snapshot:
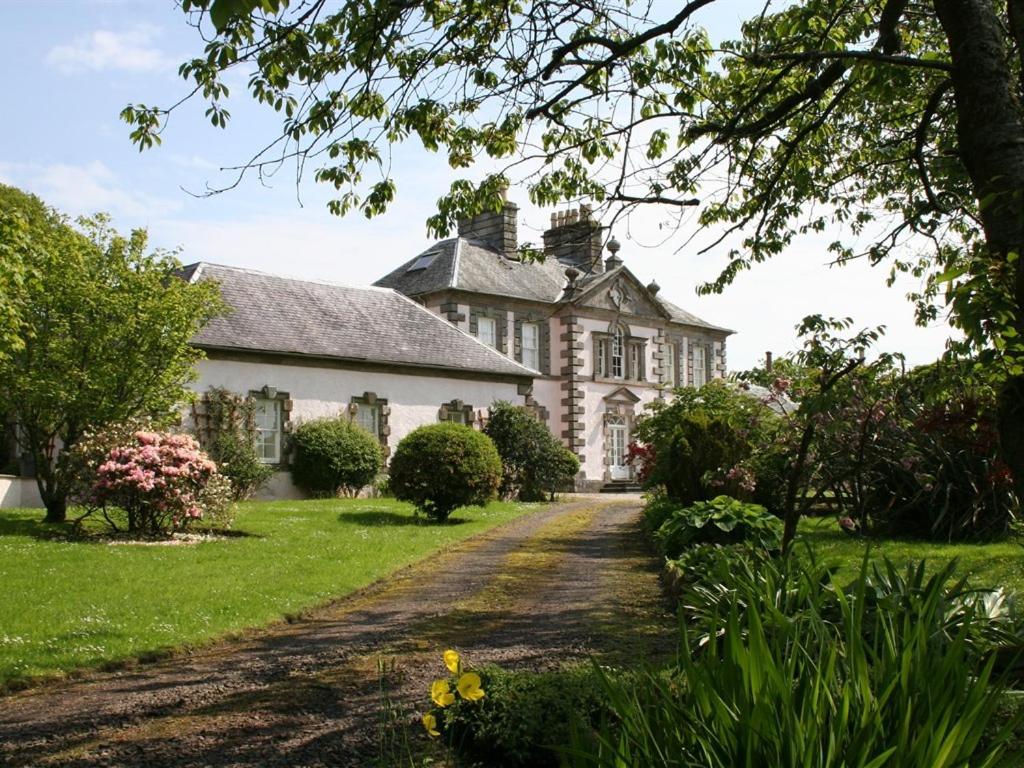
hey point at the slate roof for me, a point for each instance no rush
(471, 266)
(324, 320)
(467, 265)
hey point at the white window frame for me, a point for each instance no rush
(700, 366)
(670, 364)
(261, 431)
(492, 325)
(635, 362)
(531, 352)
(618, 352)
(364, 408)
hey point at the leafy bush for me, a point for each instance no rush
(722, 520)
(440, 467)
(160, 481)
(334, 456)
(657, 509)
(786, 668)
(534, 463)
(526, 716)
(699, 440)
(237, 460)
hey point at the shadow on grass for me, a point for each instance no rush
(383, 517)
(33, 527)
(97, 533)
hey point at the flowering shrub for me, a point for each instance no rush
(696, 445)
(442, 692)
(161, 481)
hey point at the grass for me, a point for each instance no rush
(997, 564)
(72, 604)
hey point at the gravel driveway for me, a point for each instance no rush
(572, 580)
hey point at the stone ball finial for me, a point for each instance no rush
(653, 288)
(571, 274)
(613, 245)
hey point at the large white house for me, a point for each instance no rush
(576, 337)
(602, 344)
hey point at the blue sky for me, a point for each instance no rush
(70, 67)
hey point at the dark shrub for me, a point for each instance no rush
(525, 716)
(534, 463)
(237, 460)
(941, 476)
(441, 467)
(722, 520)
(334, 456)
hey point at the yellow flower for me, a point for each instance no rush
(451, 660)
(430, 724)
(469, 687)
(441, 694)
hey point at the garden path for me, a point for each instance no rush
(570, 581)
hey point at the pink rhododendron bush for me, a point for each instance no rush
(149, 482)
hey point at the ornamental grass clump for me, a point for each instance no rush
(157, 482)
(780, 665)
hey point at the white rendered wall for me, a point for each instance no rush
(18, 492)
(413, 400)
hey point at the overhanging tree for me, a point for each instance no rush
(898, 121)
(101, 335)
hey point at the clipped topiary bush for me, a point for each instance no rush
(440, 467)
(333, 456)
(723, 520)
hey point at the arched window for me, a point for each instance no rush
(618, 352)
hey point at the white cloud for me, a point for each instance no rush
(130, 50)
(86, 189)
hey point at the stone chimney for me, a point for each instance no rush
(495, 230)
(575, 240)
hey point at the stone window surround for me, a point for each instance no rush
(457, 406)
(603, 338)
(500, 317)
(543, 338)
(272, 393)
(371, 398)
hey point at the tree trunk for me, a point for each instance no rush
(990, 135)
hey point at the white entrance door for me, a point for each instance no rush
(619, 441)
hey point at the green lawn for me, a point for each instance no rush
(1000, 564)
(71, 604)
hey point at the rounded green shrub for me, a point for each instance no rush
(334, 456)
(441, 467)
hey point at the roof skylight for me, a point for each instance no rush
(422, 262)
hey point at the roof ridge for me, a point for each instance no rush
(293, 278)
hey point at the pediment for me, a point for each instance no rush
(622, 395)
(622, 293)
